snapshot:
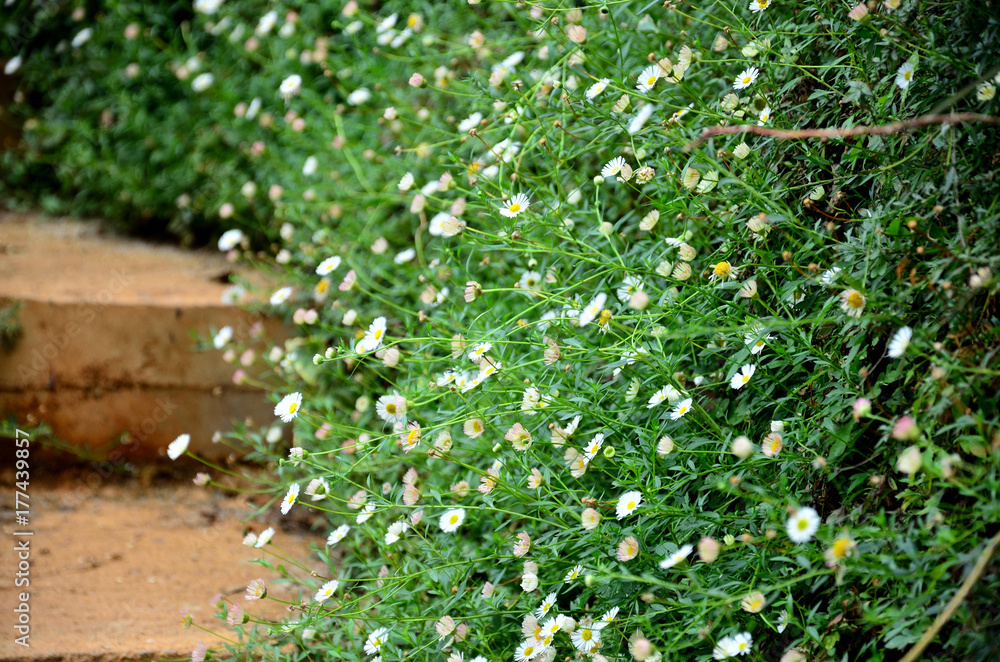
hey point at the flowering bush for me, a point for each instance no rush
(568, 383)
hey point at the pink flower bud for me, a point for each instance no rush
(708, 549)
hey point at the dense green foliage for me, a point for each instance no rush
(620, 311)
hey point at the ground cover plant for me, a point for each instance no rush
(570, 381)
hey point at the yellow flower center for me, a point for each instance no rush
(529, 651)
(841, 547)
(413, 436)
(802, 524)
(747, 80)
(631, 505)
(514, 208)
(907, 75)
(378, 334)
(293, 408)
(585, 635)
(722, 269)
(322, 286)
(855, 300)
(682, 410)
(651, 81)
(454, 519)
(390, 408)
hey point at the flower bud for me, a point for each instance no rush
(742, 447)
(708, 549)
(909, 461)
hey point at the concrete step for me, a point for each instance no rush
(108, 339)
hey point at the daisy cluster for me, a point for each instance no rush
(559, 383)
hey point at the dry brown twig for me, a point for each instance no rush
(949, 610)
(826, 134)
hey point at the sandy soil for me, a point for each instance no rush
(115, 565)
(71, 260)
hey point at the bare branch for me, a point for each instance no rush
(825, 134)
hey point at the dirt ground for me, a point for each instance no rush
(72, 260)
(116, 563)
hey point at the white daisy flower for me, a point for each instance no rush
(598, 87)
(405, 182)
(338, 534)
(376, 640)
(528, 650)
(829, 276)
(573, 573)
(391, 408)
(290, 87)
(395, 532)
(289, 406)
(470, 122)
(586, 639)
(373, 338)
(803, 525)
(741, 378)
(648, 78)
(326, 591)
(613, 167)
(359, 96)
(547, 604)
(627, 503)
(515, 206)
(366, 513)
(290, 497)
(230, 239)
(452, 519)
(178, 446)
(630, 285)
(281, 296)
(900, 341)
(530, 280)
(904, 76)
(202, 82)
(642, 115)
(14, 64)
(681, 408)
(676, 557)
(264, 537)
(82, 37)
(479, 350)
(660, 396)
(782, 621)
(592, 309)
(591, 449)
(224, 335)
(742, 643)
(746, 78)
(328, 265)
(756, 341)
